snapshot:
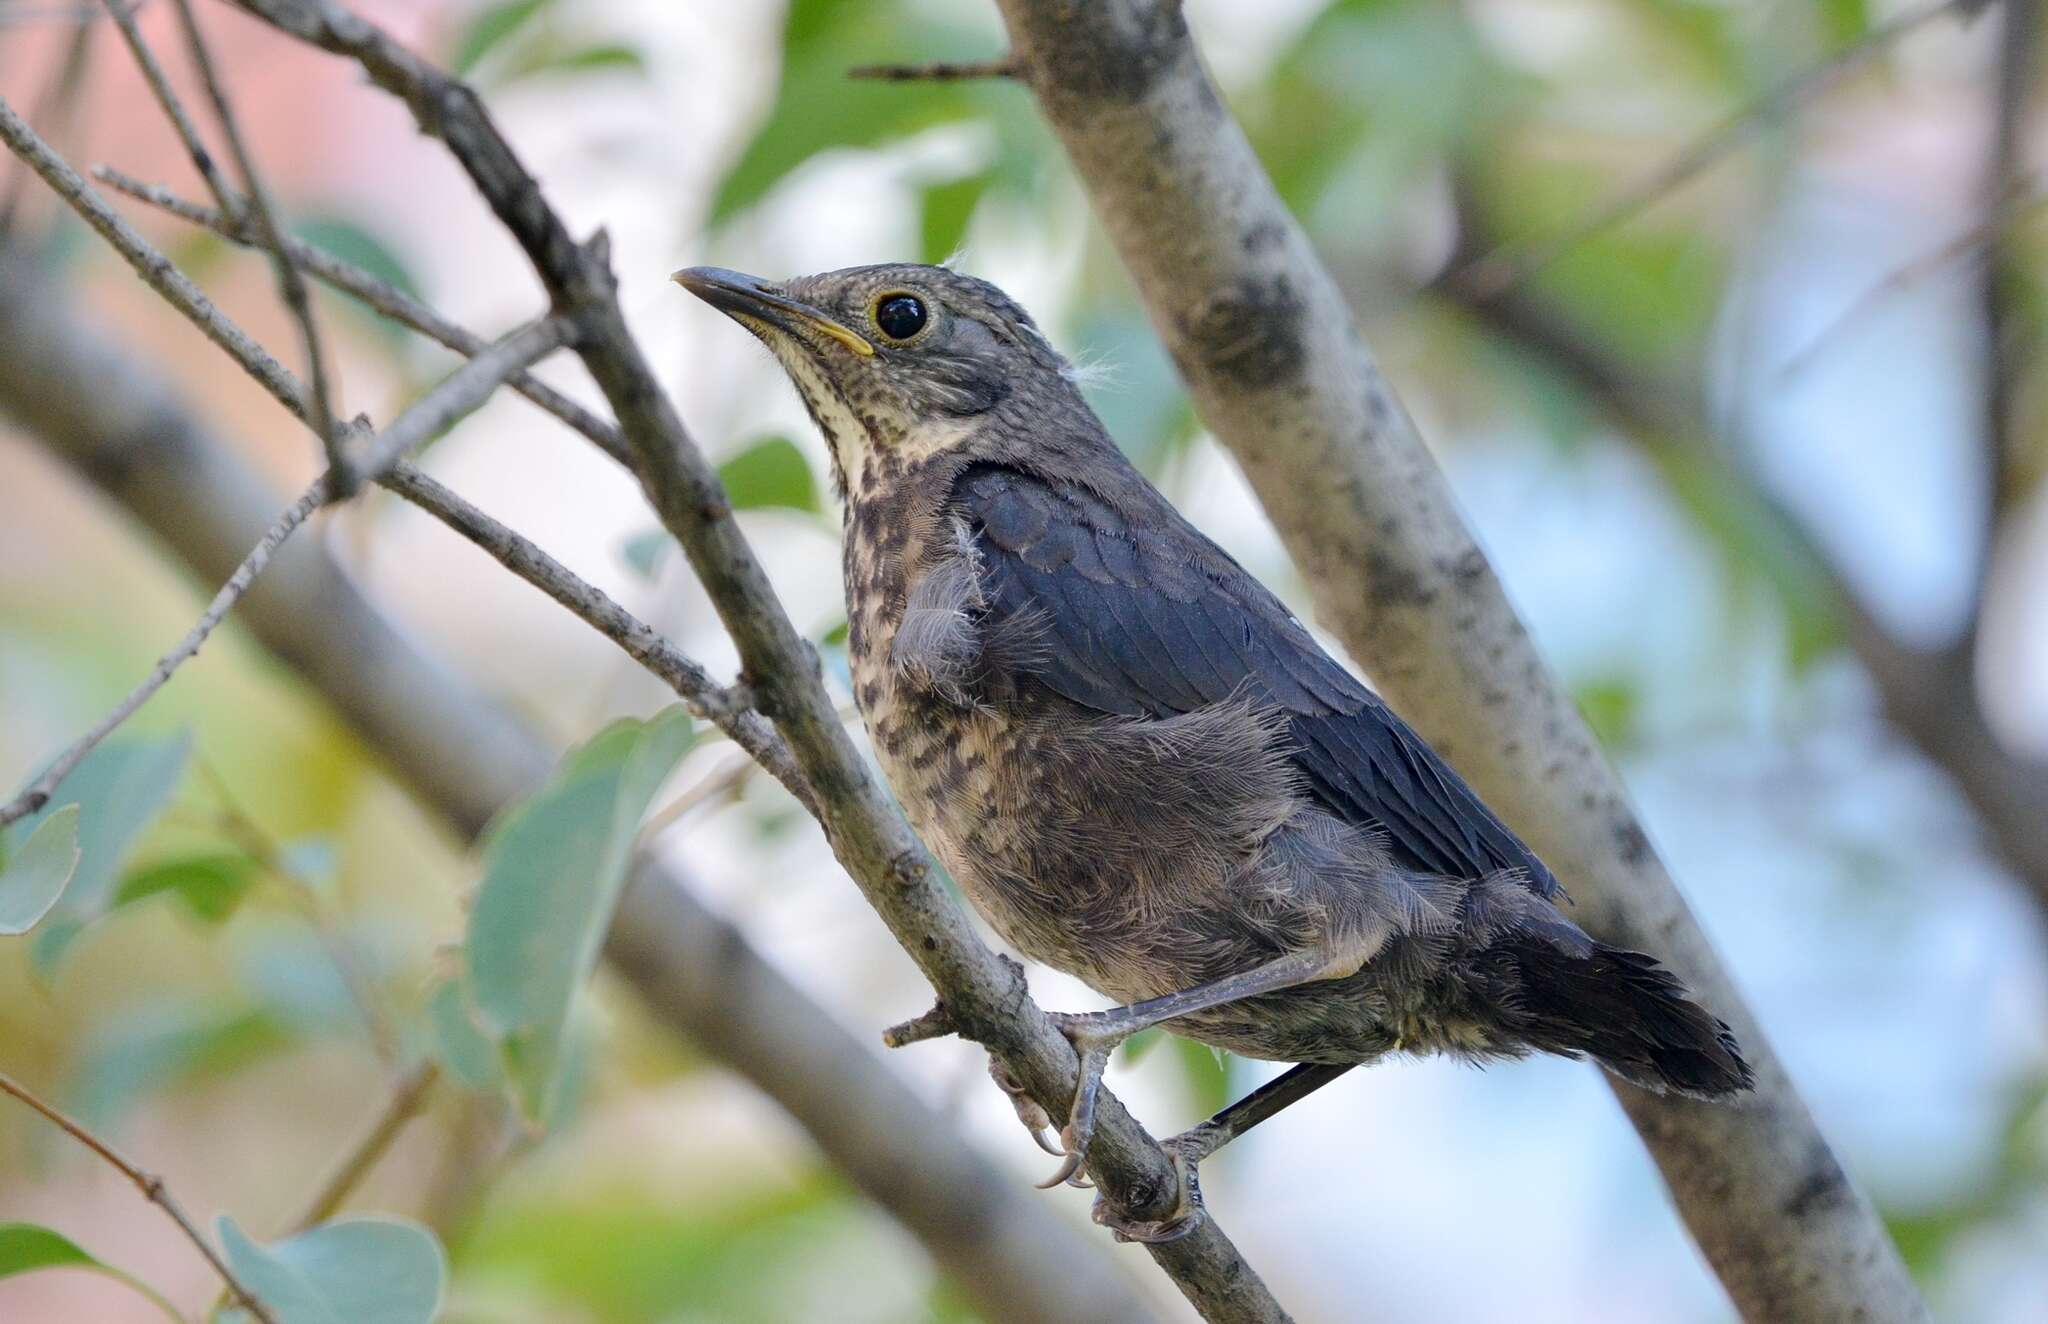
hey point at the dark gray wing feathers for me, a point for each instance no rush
(1139, 615)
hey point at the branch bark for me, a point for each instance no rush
(986, 996)
(1277, 367)
(97, 406)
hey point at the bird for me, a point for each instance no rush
(1138, 764)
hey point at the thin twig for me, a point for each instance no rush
(940, 72)
(729, 710)
(407, 1099)
(721, 781)
(152, 1188)
(291, 285)
(188, 133)
(1493, 273)
(39, 791)
(378, 295)
(156, 270)
(54, 109)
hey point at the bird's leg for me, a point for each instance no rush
(1190, 1147)
(1094, 1034)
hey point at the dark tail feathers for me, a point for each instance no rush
(1631, 1015)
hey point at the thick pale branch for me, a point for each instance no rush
(865, 830)
(152, 1188)
(99, 407)
(1279, 370)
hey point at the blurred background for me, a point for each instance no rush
(1759, 460)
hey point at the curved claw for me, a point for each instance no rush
(1068, 1168)
(1048, 1146)
(1187, 1213)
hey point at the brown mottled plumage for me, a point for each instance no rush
(1140, 767)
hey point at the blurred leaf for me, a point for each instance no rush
(837, 635)
(27, 1247)
(354, 242)
(1207, 1072)
(491, 26)
(946, 209)
(157, 1045)
(819, 107)
(1609, 707)
(645, 550)
(1141, 1043)
(33, 877)
(770, 472)
(553, 869)
(120, 789)
(211, 885)
(1845, 21)
(459, 1045)
(353, 1271)
(544, 58)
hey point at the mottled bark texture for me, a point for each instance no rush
(97, 406)
(1279, 371)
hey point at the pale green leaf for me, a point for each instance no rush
(27, 1247)
(492, 25)
(553, 869)
(466, 1051)
(644, 551)
(35, 876)
(353, 1271)
(770, 472)
(211, 885)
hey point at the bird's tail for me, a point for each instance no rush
(1631, 1015)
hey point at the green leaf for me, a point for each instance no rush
(352, 1271)
(548, 58)
(27, 1247)
(948, 207)
(1207, 1072)
(644, 552)
(33, 879)
(819, 107)
(355, 243)
(469, 1054)
(490, 27)
(211, 885)
(120, 789)
(553, 869)
(158, 1044)
(769, 473)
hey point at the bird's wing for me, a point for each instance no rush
(1143, 616)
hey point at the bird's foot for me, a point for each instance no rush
(1034, 1118)
(1186, 1151)
(1094, 1035)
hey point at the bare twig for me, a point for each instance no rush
(861, 822)
(152, 1188)
(261, 217)
(53, 109)
(1492, 273)
(39, 791)
(939, 72)
(934, 1024)
(408, 1097)
(729, 710)
(155, 269)
(380, 296)
(188, 133)
(722, 781)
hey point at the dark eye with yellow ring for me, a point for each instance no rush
(900, 316)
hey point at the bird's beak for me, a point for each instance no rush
(739, 295)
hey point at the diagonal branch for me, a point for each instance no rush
(123, 12)
(261, 217)
(97, 406)
(152, 1188)
(866, 832)
(1278, 368)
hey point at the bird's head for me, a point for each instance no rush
(896, 362)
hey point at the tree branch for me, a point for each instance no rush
(123, 12)
(152, 1188)
(98, 406)
(1279, 371)
(261, 218)
(861, 822)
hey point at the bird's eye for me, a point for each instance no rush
(900, 316)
